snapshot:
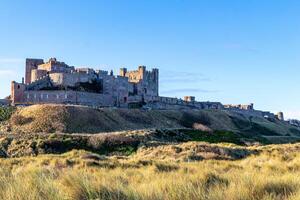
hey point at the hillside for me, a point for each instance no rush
(79, 119)
(74, 152)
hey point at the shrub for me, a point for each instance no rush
(6, 112)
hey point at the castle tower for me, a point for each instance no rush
(155, 73)
(17, 92)
(123, 71)
(142, 71)
(30, 65)
(280, 116)
(189, 98)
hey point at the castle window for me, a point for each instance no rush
(18, 86)
(145, 90)
(57, 96)
(125, 99)
(41, 96)
(47, 96)
(66, 96)
(27, 96)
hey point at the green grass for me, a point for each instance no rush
(124, 150)
(61, 143)
(214, 137)
(258, 129)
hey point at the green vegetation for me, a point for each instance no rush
(5, 113)
(214, 137)
(35, 144)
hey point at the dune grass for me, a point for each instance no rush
(273, 174)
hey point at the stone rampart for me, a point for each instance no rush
(67, 97)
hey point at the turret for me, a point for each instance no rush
(123, 71)
(142, 71)
(280, 116)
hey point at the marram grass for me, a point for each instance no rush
(273, 174)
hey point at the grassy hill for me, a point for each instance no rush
(79, 119)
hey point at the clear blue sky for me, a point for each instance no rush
(228, 51)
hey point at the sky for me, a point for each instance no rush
(231, 51)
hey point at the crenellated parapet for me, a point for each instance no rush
(240, 106)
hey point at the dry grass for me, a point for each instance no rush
(165, 166)
(194, 151)
(40, 118)
(273, 174)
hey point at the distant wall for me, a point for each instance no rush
(4, 102)
(240, 106)
(175, 103)
(257, 113)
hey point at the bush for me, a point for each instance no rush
(189, 119)
(6, 112)
(214, 137)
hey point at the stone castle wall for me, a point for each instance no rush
(70, 79)
(36, 74)
(175, 103)
(252, 112)
(67, 97)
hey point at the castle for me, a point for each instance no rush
(57, 82)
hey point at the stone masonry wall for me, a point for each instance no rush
(70, 79)
(36, 74)
(67, 97)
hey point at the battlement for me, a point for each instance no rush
(240, 106)
(189, 98)
(85, 70)
(138, 75)
(55, 66)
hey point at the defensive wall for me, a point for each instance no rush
(67, 97)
